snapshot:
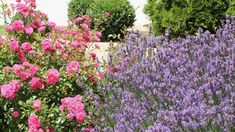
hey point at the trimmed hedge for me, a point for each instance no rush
(122, 15)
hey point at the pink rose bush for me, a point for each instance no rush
(46, 72)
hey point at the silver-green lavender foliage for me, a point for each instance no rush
(173, 85)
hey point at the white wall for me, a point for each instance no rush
(57, 10)
(141, 18)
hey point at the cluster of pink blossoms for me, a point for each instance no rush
(23, 9)
(52, 77)
(14, 45)
(25, 70)
(27, 47)
(9, 90)
(75, 108)
(18, 26)
(73, 67)
(47, 47)
(36, 83)
(34, 124)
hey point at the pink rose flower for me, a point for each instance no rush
(28, 30)
(14, 45)
(80, 117)
(52, 77)
(22, 9)
(15, 114)
(98, 33)
(51, 24)
(36, 83)
(9, 28)
(32, 51)
(41, 29)
(37, 105)
(74, 44)
(32, 69)
(16, 83)
(17, 69)
(36, 130)
(77, 20)
(84, 26)
(34, 122)
(18, 25)
(78, 98)
(46, 44)
(87, 35)
(9, 90)
(73, 67)
(27, 46)
(97, 39)
(24, 76)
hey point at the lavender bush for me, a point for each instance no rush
(183, 84)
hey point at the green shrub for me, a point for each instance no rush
(122, 15)
(78, 8)
(231, 9)
(185, 16)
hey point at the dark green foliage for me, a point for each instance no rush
(122, 15)
(185, 16)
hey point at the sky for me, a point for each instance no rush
(57, 10)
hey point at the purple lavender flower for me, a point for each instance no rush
(173, 85)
